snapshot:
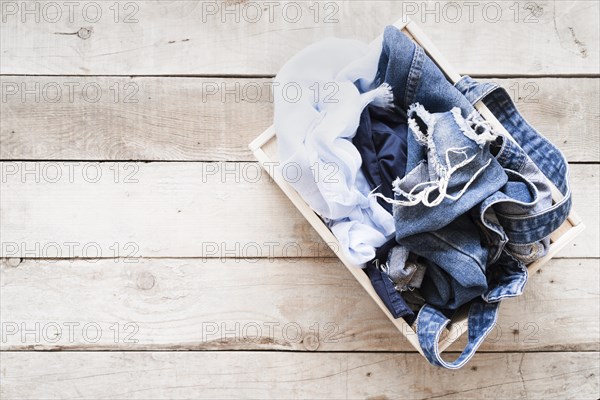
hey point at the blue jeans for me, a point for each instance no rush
(477, 205)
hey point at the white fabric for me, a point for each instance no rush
(319, 96)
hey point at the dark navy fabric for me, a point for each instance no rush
(384, 286)
(381, 141)
(456, 269)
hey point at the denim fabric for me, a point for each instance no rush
(387, 293)
(506, 277)
(433, 201)
(431, 323)
(525, 215)
(384, 286)
(457, 171)
(414, 78)
(404, 269)
(456, 270)
(477, 231)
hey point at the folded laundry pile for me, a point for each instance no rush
(440, 209)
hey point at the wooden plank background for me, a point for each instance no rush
(276, 375)
(309, 305)
(134, 225)
(192, 38)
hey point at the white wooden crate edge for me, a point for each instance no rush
(560, 238)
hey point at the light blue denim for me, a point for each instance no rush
(477, 224)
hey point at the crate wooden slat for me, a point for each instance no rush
(264, 148)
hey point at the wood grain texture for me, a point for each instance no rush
(91, 210)
(162, 258)
(133, 118)
(276, 375)
(214, 119)
(192, 37)
(301, 305)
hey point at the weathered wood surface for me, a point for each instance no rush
(277, 375)
(302, 305)
(181, 210)
(134, 118)
(308, 329)
(214, 119)
(192, 37)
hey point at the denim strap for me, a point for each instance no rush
(542, 152)
(475, 91)
(431, 323)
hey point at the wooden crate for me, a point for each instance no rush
(264, 148)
